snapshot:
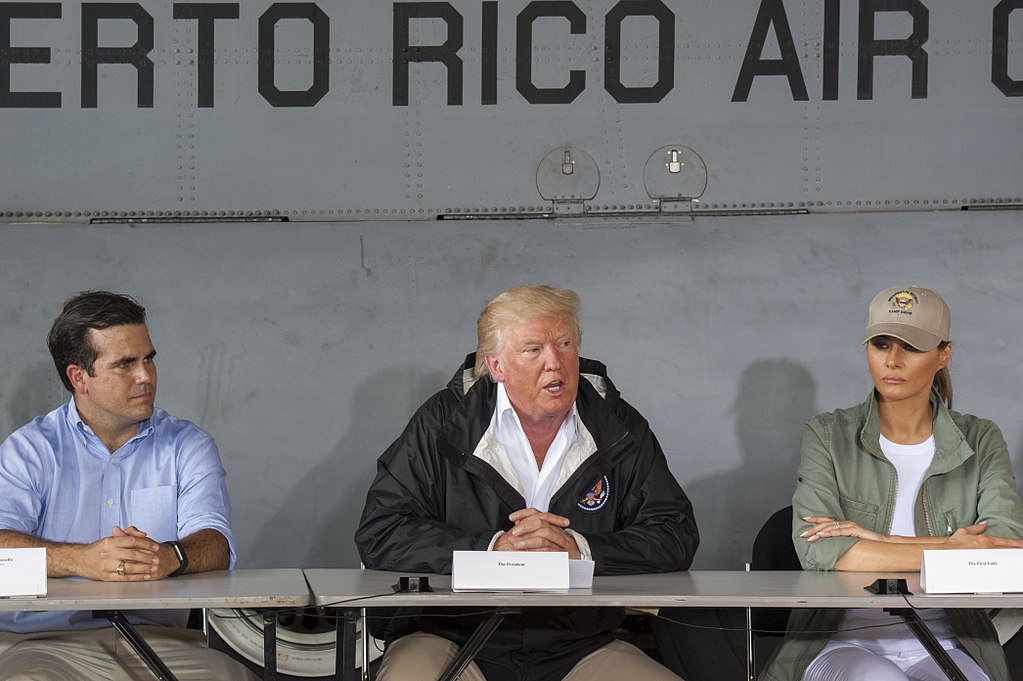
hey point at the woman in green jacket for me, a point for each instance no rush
(880, 483)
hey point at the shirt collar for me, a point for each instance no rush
(504, 406)
(145, 428)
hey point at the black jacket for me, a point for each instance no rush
(432, 496)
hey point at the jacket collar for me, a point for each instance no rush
(950, 447)
(478, 399)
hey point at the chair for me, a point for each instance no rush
(702, 644)
(1014, 654)
(772, 550)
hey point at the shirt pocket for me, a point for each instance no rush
(862, 512)
(154, 510)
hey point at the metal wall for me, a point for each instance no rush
(305, 347)
(370, 110)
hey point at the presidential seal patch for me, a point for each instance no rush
(596, 496)
(903, 301)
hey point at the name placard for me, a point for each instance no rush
(509, 571)
(972, 571)
(22, 573)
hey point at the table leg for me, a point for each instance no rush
(344, 664)
(139, 645)
(926, 638)
(472, 646)
(751, 660)
(364, 645)
(270, 645)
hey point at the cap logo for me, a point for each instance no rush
(597, 496)
(902, 302)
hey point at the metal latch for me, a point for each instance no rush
(568, 165)
(675, 162)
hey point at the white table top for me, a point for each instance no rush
(285, 588)
(693, 589)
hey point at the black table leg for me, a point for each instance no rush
(344, 664)
(926, 638)
(473, 645)
(345, 669)
(139, 645)
(270, 645)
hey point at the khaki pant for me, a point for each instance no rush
(102, 655)
(424, 657)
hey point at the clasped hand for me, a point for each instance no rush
(127, 555)
(537, 530)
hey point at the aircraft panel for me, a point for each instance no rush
(369, 110)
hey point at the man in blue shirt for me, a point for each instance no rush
(116, 490)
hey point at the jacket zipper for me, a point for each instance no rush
(923, 500)
(891, 502)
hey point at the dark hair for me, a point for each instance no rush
(68, 339)
(942, 383)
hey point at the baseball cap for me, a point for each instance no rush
(913, 314)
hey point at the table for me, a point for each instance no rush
(349, 590)
(261, 589)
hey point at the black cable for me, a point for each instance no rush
(743, 630)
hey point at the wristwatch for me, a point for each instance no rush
(179, 551)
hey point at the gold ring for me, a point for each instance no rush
(120, 568)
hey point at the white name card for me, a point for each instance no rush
(580, 574)
(972, 571)
(509, 571)
(22, 573)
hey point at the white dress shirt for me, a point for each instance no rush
(506, 447)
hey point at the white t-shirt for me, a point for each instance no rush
(874, 629)
(911, 462)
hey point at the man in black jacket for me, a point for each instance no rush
(530, 448)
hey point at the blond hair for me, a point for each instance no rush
(517, 305)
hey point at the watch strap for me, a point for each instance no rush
(179, 551)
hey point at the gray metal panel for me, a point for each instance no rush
(356, 155)
(304, 348)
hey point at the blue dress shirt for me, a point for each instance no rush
(59, 482)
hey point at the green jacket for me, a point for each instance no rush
(844, 475)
